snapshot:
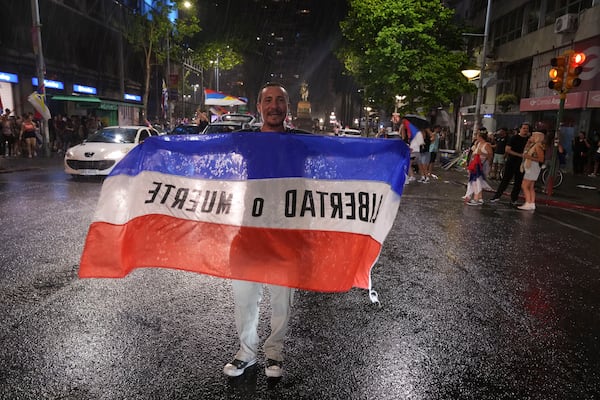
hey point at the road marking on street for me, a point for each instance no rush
(570, 226)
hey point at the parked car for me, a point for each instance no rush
(100, 152)
(349, 132)
(242, 118)
(186, 129)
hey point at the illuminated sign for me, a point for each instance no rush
(84, 89)
(132, 97)
(49, 84)
(7, 77)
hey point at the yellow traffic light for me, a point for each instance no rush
(574, 69)
(557, 73)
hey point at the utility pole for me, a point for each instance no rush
(477, 122)
(37, 50)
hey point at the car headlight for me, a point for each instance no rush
(116, 154)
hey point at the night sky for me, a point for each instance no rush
(294, 42)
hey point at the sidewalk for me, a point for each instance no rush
(576, 192)
(14, 164)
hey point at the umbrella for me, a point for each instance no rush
(418, 121)
(214, 98)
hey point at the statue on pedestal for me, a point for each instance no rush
(304, 105)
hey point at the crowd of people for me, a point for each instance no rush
(514, 157)
(21, 135)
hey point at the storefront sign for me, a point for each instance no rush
(8, 77)
(84, 89)
(573, 100)
(49, 84)
(132, 97)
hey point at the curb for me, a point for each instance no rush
(564, 204)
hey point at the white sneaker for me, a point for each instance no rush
(273, 368)
(473, 203)
(237, 367)
(527, 207)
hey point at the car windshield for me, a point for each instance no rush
(237, 118)
(222, 128)
(113, 135)
(186, 130)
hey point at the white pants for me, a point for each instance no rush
(247, 296)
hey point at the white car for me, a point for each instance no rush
(100, 152)
(349, 132)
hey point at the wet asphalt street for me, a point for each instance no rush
(476, 303)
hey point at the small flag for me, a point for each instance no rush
(39, 104)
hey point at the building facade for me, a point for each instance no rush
(89, 67)
(523, 38)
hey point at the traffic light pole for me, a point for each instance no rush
(554, 159)
(564, 76)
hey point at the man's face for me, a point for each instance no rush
(273, 108)
(524, 130)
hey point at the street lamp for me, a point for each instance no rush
(399, 102)
(471, 74)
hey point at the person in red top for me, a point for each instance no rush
(28, 134)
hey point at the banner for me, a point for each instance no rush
(303, 211)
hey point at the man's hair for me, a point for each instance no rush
(270, 84)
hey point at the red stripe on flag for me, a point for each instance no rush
(310, 260)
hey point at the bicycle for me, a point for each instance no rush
(558, 175)
(544, 175)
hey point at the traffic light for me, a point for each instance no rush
(574, 69)
(557, 74)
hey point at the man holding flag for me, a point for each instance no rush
(272, 104)
(292, 211)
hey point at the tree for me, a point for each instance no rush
(224, 53)
(156, 36)
(404, 47)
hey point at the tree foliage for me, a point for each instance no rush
(404, 47)
(156, 36)
(226, 53)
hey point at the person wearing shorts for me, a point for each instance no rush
(499, 147)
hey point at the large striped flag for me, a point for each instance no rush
(303, 211)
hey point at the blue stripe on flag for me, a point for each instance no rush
(257, 155)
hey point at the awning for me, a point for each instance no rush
(79, 99)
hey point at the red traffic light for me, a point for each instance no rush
(572, 79)
(577, 59)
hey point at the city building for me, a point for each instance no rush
(90, 70)
(523, 38)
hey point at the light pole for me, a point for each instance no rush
(217, 73)
(368, 110)
(477, 122)
(37, 49)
